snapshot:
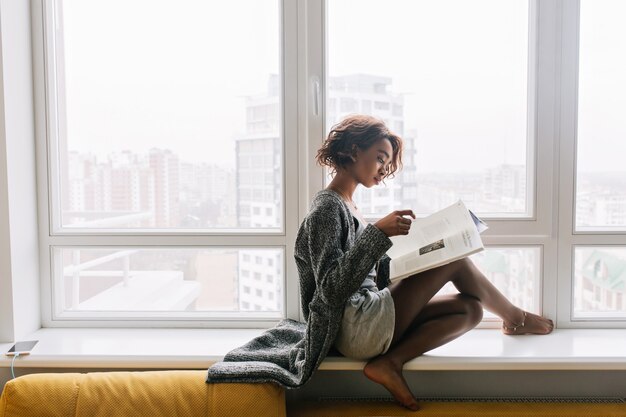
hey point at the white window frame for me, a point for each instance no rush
(47, 131)
(569, 237)
(535, 230)
(552, 94)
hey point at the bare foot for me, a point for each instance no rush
(529, 323)
(384, 372)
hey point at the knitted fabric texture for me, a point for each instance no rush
(332, 264)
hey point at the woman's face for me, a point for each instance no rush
(370, 165)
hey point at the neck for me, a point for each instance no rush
(343, 185)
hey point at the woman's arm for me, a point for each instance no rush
(338, 272)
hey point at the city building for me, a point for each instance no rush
(165, 168)
(207, 196)
(504, 187)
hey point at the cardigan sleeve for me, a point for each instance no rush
(339, 273)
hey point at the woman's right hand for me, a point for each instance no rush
(395, 223)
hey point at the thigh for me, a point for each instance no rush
(411, 295)
(439, 306)
(443, 305)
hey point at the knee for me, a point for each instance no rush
(463, 264)
(463, 269)
(473, 309)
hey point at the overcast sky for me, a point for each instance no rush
(144, 74)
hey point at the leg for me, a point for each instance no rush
(411, 295)
(440, 321)
(419, 326)
(472, 281)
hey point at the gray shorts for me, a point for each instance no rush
(367, 326)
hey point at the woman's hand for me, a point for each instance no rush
(395, 223)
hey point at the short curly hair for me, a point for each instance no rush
(357, 131)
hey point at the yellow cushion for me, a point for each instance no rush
(40, 395)
(154, 393)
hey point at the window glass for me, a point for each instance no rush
(450, 77)
(146, 281)
(600, 282)
(516, 272)
(169, 114)
(601, 139)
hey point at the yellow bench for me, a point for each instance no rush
(147, 393)
(185, 394)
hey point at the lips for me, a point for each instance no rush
(377, 180)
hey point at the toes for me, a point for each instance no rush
(414, 406)
(534, 324)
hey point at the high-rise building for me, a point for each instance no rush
(128, 190)
(505, 185)
(260, 280)
(165, 168)
(132, 184)
(259, 181)
(259, 162)
(207, 196)
(259, 203)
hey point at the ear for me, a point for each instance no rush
(355, 152)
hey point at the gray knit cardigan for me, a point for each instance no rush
(332, 264)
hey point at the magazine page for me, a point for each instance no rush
(441, 238)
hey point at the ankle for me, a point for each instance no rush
(513, 326)
(517, 317)
(388, 362)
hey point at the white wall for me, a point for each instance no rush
(19, 269)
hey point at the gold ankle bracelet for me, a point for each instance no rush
(515, 326)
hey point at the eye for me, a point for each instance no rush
(381, 160)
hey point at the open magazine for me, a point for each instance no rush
(443, 237)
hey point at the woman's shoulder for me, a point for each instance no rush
(326, 213)
(327, 201)
(328, 196)
(326, 208)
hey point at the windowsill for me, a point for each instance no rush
(482, 349)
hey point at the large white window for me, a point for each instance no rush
(457, 94)
(164, 136)
(177, 144)
(597, 241)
